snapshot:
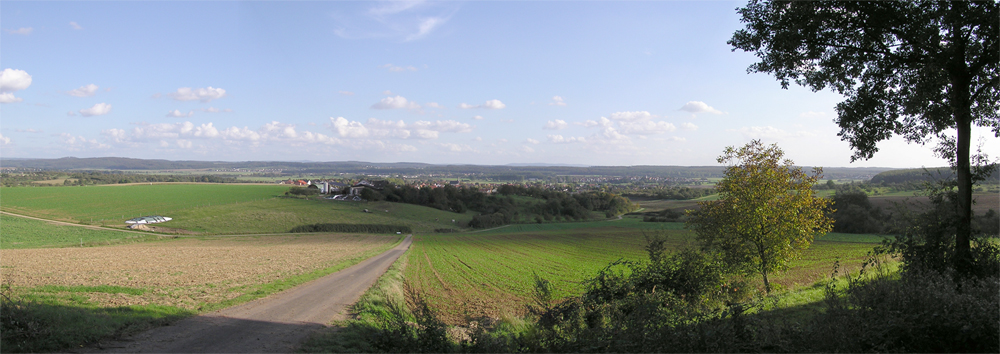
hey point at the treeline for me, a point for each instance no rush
(504, 207)
(91, 178)
(97, 177)
(354, 228)
(857, 215)
(672, 193)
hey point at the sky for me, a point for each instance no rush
(483, 82)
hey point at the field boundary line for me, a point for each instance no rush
(79, 225)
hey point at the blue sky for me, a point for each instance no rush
(594, 83)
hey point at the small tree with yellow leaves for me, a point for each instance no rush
(766, 213)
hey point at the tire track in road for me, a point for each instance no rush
(275, 324)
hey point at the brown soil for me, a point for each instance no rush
(184, 272)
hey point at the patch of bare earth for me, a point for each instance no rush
(184, 273)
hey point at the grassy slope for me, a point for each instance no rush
(27, 233)
(491, 273)
(214, 208)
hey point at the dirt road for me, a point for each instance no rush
(277, 323)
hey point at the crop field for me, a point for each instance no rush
(214, 208)
(27, 233)
(116, 203)
(491, 274)
(191, 273)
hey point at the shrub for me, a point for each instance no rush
(354, 228)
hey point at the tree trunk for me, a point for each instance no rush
(961, 103)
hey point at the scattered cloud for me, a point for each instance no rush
(201, 94)
(555, 124)
(770, 133)
(426, 26)
(478, 118)
(455, 147)
(387, 93)
(28, 131)
(184, 144)
(8, 97)
(397, 102)
(531, 141)
(698, 107)
(215, 110)
(559, 139)
(646, 127)
(689, 126)
(77, 143)
(75, 25)
(506, 120)
(526, 149)
(557, 101)
(71, 113)
(812, 115)
(377, 128)
(99, 109)
(491, 104)
(83, 91)
(13, 80)
(115, 135)
(433, 105)
(397, 69)
(177, 114)
(346, 93)
(4, 140)
(632, 116)
(22, 31)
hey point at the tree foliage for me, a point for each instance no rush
(766, 213)
(918, 69)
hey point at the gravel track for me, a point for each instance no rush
(275, 324)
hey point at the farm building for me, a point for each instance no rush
(152, 219)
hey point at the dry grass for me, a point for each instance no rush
(186, 273)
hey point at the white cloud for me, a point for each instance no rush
(491, 104)
(22, 31)
(84, 91)
(555, 124)
(812, 115)
(214, 110)
(346, 93)
(632, 116)
(77, 143)
(4, 140)
(698, 107)
(14, 80)
(8, 97)
(71, 113)
(116, 135)
(97, 110)
(559, 139)
(689, 126)
(444, 126)
(426, 26)
(387, 93)
(646, 127)
(75, 25)
(349, 129)
(184, 144)
(557, 101)
(397, 102)
(526, 149)
(397, 69)
(478, 118)
(433, 105)
(177, 113)
(201, 94)
(532, 141)
(28, 131)
(771, 133)
(455, 147)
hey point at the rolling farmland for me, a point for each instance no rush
(491, 274)
(186, 273)
(215, 209)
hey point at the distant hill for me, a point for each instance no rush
(506, 172)
(921, 175)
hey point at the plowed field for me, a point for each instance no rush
(186, 273)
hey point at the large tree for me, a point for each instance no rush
(918, 69)
(766, 213)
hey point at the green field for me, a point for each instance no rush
(214, 208)
(27, 233)
(491, 273)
